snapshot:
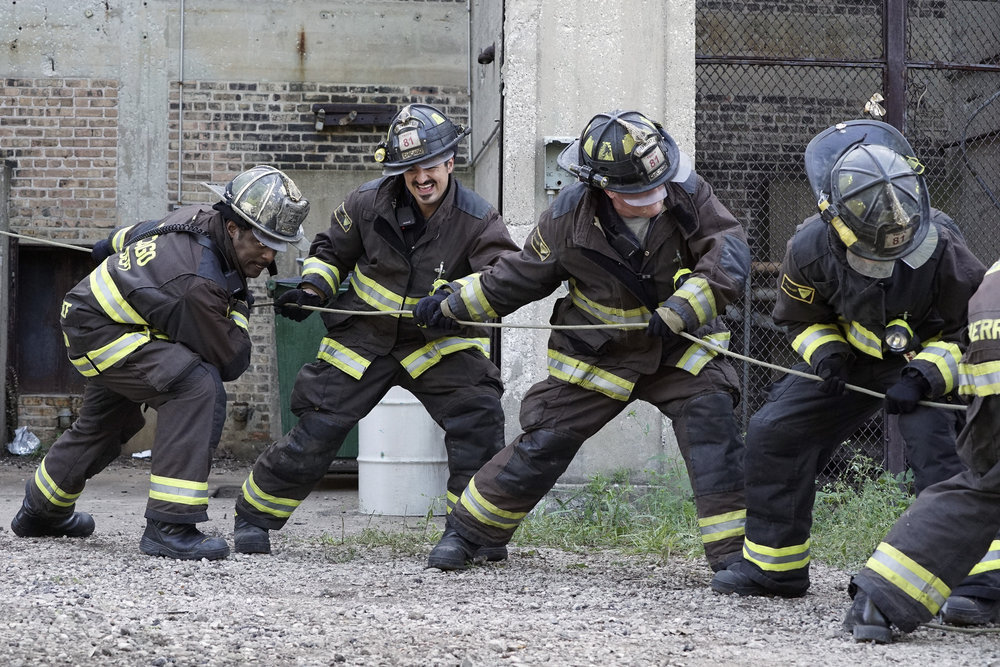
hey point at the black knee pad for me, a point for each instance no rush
(538, 459)
(708, 431)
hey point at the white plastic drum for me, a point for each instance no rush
(402, 463)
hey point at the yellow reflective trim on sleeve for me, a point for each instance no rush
(946, 358)
(814, 337)
(698, 294)
(328, 272)
(864, 340)
(474, 300)
(239, 319)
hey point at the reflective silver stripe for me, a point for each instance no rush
(722, 526)
(989, 562)
(111, 300)
(341, 357)
(239, 319)
(782, 559)
(589, 377)
(908, 576)
(604, 313)
(474, 301)
(328, 272)
(181, 491)
(814, 337)
(698, 294)
(97, 361)
(51, 490)
(864, 340)
(696, 356)
(945, 357)
(118, 239)
(281, 508)
(375, 295)
(430, 354)
(486, 512)
(979, 379)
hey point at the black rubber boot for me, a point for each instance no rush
(452, 552)
(866, 622)
(735, 579)
(250, 539)
(182, 541)
(76, 524)
(486, 554)
(970, 610)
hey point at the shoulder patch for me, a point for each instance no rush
(796, 291)
(344, 220)
(469, 202)
(539, 245)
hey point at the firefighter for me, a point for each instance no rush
(393, 241)
(162, 322)
(951, 525)
(641, 239)
(872, 291)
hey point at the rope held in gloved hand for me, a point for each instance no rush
(693, 339)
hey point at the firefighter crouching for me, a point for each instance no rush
(393, 240)
(873, 291)
(641, 240)
(162, 321)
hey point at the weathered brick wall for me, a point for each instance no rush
(62, 135)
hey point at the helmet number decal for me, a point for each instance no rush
(893, 239)
(653, 160)
(409, 143)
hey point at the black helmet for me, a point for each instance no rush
(270, 201)
(624, 151)
(418, 135)
(871, 189)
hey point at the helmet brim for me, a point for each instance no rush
(219, 190)
(568, 161)
(828, 146)
(882, 268)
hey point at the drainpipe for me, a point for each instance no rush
(180, 106)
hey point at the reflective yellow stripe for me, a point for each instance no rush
(695, 357)
(699, 296)
(375, 295)
(111, 300)
(475, 302)
(181, 491)
(118, 240)
(606, 314)
(946, 358)
(486, 512)
(721, 526)
(280, 508)
(989, 562)
(342, 357)
(102, 358)
(864, 340)
(777, 560)
(239, 319)
(51, 490)
(418, 362)
(589, 377)
(814, 337)
(908, 576)
(979, 379)
(328, 272)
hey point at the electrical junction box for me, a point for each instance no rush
(555, 176)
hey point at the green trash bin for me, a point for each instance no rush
(296, 344)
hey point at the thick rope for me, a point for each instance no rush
(684, 334)
(47, 241)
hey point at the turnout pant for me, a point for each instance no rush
(557, 417)
(461, 393)
(791, 439)
(190, 402)
(948, 532)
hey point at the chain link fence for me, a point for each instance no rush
(770, 76)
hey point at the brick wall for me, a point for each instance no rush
(62, 135)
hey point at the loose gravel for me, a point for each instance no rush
(317, 601)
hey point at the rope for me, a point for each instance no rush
(954, 628)
(684, 334)
(48, 241)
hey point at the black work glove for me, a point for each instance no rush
(833, 371)
(658, 328)
(102, 250)
(428, 312)
(287, 304)
(902, 397)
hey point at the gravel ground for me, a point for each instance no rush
(316, 601)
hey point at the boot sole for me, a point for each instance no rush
(153, 548)
(878, 634)
(23, 531)
(252, 547)
(752, 591)
(489, 555)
